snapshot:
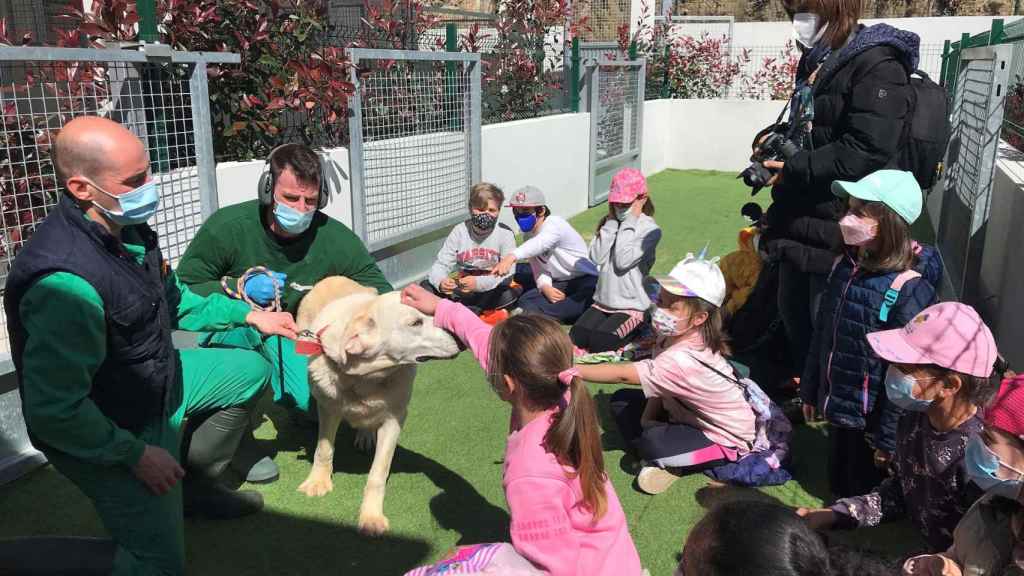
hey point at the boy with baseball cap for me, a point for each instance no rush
(561, 278)
(688, 414)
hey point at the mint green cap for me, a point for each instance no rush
(897, 189)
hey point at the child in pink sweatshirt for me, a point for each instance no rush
(566, 517)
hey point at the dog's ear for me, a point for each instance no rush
(359, 329)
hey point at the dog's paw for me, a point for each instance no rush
(316, 485)
(366, 440)
(373, 524)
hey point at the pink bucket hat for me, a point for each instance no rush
(950, 335)
(628, 184)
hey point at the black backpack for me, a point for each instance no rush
(927, 132)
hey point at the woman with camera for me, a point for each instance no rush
(846, 117)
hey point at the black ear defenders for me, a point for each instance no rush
(267, 182)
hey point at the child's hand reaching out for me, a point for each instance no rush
(414, 296)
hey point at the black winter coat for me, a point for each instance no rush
(861, 98)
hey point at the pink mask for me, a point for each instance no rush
(858, 231)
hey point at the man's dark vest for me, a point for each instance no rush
(139, 369)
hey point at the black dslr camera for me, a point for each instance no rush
(774, 146)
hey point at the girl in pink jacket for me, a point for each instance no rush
(566, 517)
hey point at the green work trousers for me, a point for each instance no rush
(290, 371)
(147, 528)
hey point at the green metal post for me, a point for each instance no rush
(995, 35)
(665, 92)
(451, 44)
(147, 20)
(945, 63)
(965, 41)
(632, 50)
(574, 80)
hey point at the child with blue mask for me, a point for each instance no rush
(990, 537)
(560, 278)
(941, 372)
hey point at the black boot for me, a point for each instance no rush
(210, 444)
(56, 555)
(251, 464)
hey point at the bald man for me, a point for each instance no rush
(90, 306)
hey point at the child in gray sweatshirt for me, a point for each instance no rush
(623, 250)
(462, 271)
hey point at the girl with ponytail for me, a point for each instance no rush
(566, 517)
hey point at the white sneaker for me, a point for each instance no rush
(654, 480)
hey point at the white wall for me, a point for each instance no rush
(712, 134)
(658, 136)
(1000, 299)
(550, 153)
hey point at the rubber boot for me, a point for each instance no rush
(57, 555)
(251, 465)
(210, 445)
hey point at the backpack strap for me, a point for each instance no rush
(893, 293)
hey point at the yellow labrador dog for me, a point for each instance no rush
(370, 345)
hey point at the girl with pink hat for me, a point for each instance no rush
(990, 537)
(623, 249)
(941, 375)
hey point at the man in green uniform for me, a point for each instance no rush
(284, 231)
(90, 305)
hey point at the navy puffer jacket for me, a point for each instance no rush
(843, 376)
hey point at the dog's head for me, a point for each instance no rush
(378, 333)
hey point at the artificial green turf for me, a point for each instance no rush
(445, 486)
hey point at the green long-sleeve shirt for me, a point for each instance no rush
(67, 341)
(235, 239)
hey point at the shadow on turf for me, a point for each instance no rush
(458, 507)
(273, 543)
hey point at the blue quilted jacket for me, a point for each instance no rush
(843, 376)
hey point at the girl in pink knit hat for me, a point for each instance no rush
(623, 249)
(990, 537)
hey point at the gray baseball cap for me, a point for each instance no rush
(527, 197)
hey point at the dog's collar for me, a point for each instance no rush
(308, 343)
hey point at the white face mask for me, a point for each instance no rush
(665, 323)
(806, 29)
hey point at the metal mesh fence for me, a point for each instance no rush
(616, 107)
(415, 142)
(977, 116)
(604, 17)
(156, 101)
(524, 75)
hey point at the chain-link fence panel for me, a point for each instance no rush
(162, 100)
(415, 142)
(615, 102)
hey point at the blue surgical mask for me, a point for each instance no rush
(526, 222)
(900, 389)
(621, 212)
(293, 221)
(982, 464)
(137, 206)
